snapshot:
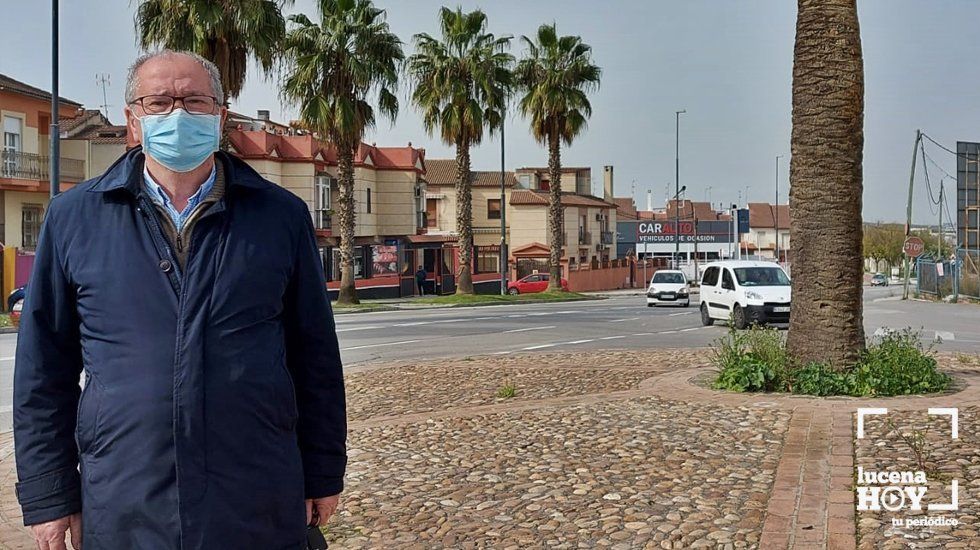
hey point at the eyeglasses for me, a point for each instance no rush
(164, 104)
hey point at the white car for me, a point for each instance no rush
(668, 287)
(746, 292)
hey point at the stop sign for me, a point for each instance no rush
(913, 247)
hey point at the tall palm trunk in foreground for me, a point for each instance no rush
(826, 184)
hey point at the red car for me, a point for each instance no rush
(535, 282)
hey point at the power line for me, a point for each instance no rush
(943, 147)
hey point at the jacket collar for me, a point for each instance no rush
(127, 173)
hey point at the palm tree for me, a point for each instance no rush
(556, 77)
(227, 32)
(331, 69)
(826, 184)
(462, 83)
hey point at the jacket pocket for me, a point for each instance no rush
(287, 402)
(87, 419)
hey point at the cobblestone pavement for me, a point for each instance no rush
(613, 449)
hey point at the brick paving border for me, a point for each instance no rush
(812, 502)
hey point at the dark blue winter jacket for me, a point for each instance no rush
(213, 400)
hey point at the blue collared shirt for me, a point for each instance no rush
(160, 197)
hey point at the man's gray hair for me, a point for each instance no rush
(132, 79)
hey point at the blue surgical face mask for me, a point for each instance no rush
(180, 141)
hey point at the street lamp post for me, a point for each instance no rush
(55, 131)
(677, 183)
(503, 217)
(776, 206)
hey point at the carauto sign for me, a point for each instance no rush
(663, 232)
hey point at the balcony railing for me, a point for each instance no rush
(32, 166)
(322, 219)
(584, 237)
(607, 237)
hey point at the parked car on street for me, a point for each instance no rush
(747, 292)
(879, 279)
(535, 282)
(668, 287)
(16, 296)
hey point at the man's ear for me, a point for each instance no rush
(133, 125)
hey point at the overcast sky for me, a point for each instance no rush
(727, 62)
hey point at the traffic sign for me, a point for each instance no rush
(913, 247)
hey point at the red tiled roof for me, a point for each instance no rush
(10, 85)
(262, 144)
(528, 197)
(763, 214)
(626, 210)
(440, 172)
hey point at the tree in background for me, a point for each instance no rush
(556, 78)
(226, 32)
(332, 69)
(462, 83)
(883, 243)
(826, 185)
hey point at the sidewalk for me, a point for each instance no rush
(618, 449)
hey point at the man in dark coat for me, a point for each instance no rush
(190, 293)
(420, 280)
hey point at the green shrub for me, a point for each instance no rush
(897, 364)
(894, 364)
(751, 360)
(821, 380)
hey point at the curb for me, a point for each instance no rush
(457, 306)
(8, 330)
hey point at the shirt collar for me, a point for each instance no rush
(159, 196)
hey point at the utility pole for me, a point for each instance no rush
(908, 213)
(54, 169)
(776, 207)
(503, 214)
(677, 183)
(102, 81)
(940, 252)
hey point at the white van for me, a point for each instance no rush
(747, 292)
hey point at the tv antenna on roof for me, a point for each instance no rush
(102, 81)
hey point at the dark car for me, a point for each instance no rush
(879, 279)
(15, 296)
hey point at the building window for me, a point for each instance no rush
(30, 227)
(384, 261)
(11, 145)
(358, 263)
(524, 180)
(488, 262)
(493, 209)
(369, 201)
(321, 200)
(431, 209)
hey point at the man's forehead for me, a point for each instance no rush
(174, 73)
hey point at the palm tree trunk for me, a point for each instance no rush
(345, 161)
(556, 227)
(826, 184)
(464, 218)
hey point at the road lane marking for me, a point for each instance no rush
(669, 332)
(380, 345)
(644, 334)
(622, 320)
(612, 337)
(690, 329)
(586, 341)
(527, 329)
(11, 358)
(352, 329)
(944, 336)
(542, 346)
(501, 353)
(681, 313)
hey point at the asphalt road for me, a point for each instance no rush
(621, 321)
